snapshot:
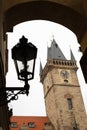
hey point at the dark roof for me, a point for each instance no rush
(54, 52)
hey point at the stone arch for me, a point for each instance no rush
(45, 10)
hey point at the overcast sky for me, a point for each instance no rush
(40, 33)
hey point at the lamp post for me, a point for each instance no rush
(24, 55)
(75, 127)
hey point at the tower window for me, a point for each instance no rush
(70, 105)
(66, 81)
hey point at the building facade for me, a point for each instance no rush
(63, 99)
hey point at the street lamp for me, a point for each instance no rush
(75, 126)
(24, 55)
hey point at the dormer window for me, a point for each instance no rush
(48, 126)
(13, 125)
(31, 124)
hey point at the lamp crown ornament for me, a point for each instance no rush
(23, 40)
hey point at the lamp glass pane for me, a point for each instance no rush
(30, 65)
(21, 70)
(28, 71)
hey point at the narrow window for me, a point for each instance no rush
(70, 105)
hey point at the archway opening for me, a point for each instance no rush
(45, 10)
(40, 33)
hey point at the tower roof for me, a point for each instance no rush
(54, 52)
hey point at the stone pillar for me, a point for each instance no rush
(84, 42)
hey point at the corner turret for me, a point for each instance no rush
(72, 56)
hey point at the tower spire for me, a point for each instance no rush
(54, 52)
(41, 68)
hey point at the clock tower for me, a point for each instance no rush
(63, 99)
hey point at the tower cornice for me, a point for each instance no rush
(56, 63)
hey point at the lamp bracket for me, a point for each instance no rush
(8, 94)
